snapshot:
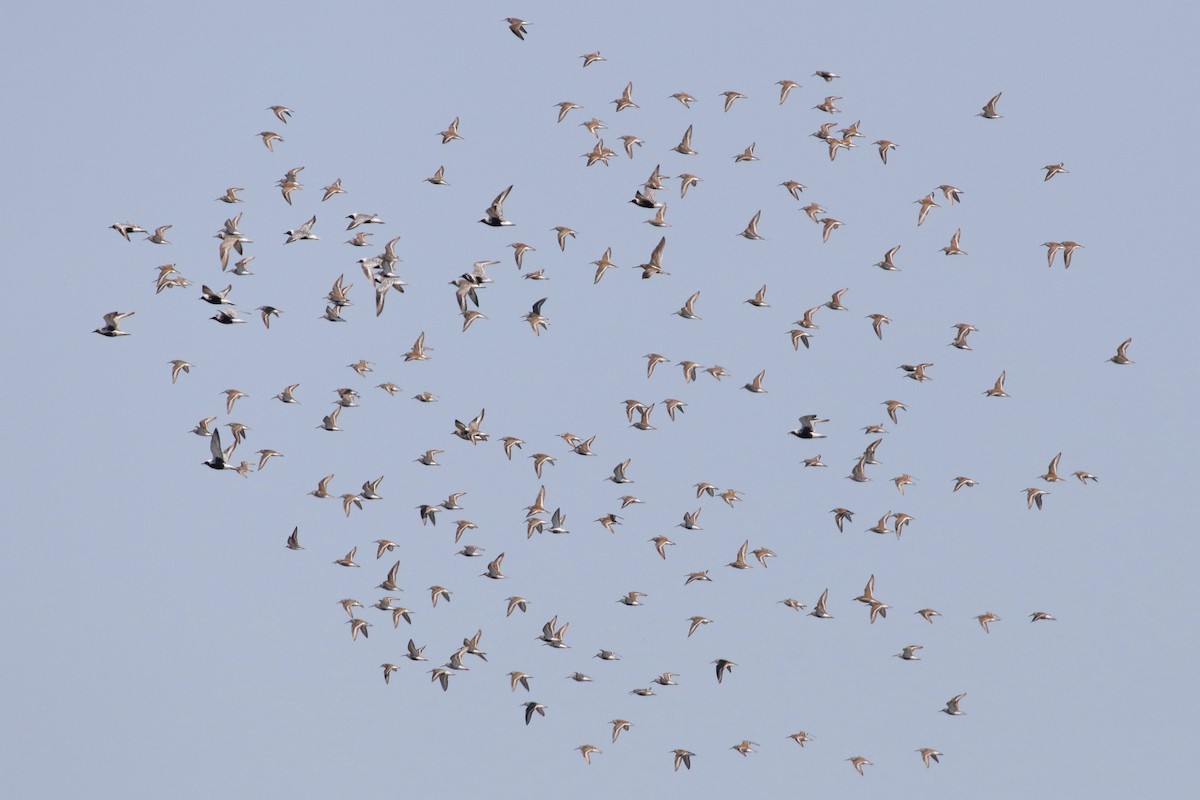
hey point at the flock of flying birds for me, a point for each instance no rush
(542, 516)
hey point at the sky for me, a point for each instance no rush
(160, 633)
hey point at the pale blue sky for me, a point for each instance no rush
(164, 642)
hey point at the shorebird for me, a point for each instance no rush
(1033, 496)
(493, 569)
(683, 757)
(607, 655)
(909, 653)
(281, 113)
(755, 385)
(807, 429)
(928, 614)
(1068, 248)
(986, 618)
(723, 665)
(785, 88)
(1119, 358)
(800, 737)
(688, 311)
(989, 110)
(1052, 249)
(293, 540)
(841, 516)
(745, 747)
(302, 232)
(592, 58)
(514, 603)
(916, 371)
(631, 599)
(517, 26)
(819, 611)
(439, 591)
(740, 561)
(952, 706)
(689, 520)
(685, 145)
(825, 75)
(1051, 475)
(112, 324)
(126, 228)
(928, 753)
(619, 725)
(358, 626)
(1085, 476)
(927, 202)
(626, 99)
(357, 219)
(951, 193)
(1041, 616)
(654, 265)
(964, 330)
(903, 480)
(827, 105)
(451, 133)
(828, 225)
(953, 249)
(858, 762)
(885, 145)
(494, 215)
(888, 264)
(751, 231)
(963, 480)
(1053, 169)
(587, 751)
(332, 189)
(697, 576)
(269, 138)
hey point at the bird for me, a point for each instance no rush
(989, 109)
(828, 225)
(952, 706)
(293, 540)
(909, 652)
(819, 611)
(592, 58)
(751, 231)
(436, 592)
(1051, 475)
(724, 665)
(963, 480)
(927, 754)
(985, 619)
(827, 105)
(888, 264)
(303, 232)
(755, 385)
(494, 215)
(683, 757)
(858, 762)
(688, 310)
(740, 561)
(1041, 616)
(745, 747)
(515, 603)
(112, 325)
(451, 132)
(1053, 169)
(587, 751)
(953, 249)
(269, 138)
(532, 707)
(842, 516)
(685, 145)
(626, 99)
(807, 429)
(1033, 496)
(517, 26)
(1119, 358)
(800, 737)
(760, 298)
(785, 88)
(1068, 249)
(927, 202)
(348, 559)
(884, 146)
(126, 228)
(825, 75)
